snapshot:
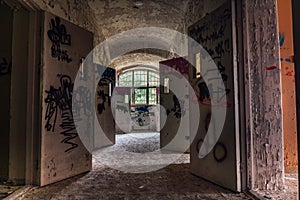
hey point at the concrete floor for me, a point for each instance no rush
(172, 182)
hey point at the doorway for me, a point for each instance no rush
(14, 81)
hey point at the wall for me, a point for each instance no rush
(6, 17)
(259, 34)
(196, 10)
(145, 121)
(288, 86)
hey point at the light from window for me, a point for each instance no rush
(140, 96)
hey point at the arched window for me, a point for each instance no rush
(144, 86)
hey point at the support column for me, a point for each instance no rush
(264, 132)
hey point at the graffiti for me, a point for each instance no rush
(215, 38)
(289, 72)
(288, 60)
(5, 67)
(52, 169)
(178, 108)
(59, 102)
(122, 108)
(210, 100)
(142, 109)
(203, 34)
(101, 104)
(141, 116)
(271, 68)
(82, 101)
(281, 39)
(223, 47)
(204, 92)
(108, 76)
(282, 47)
(58, 36)
(178, 64)
(219, 151)
(207, 121)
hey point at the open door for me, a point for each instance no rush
(215, 32)
(62, 153)
(174, 98)
(105, 115)
(122, 109)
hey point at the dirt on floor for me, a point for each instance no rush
(174, 182)
(7, 188)
(290, 193)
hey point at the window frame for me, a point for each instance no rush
(147, 87)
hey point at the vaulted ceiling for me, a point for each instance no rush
(115, 16)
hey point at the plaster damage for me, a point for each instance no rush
(263, 100)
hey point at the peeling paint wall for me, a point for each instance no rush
(263, 95)
(288, 86)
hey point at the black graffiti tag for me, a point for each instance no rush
(59, 102)
(5, 67)
(103, 98)
(58, 36)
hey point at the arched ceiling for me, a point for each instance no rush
(136, 59)
(116, 16)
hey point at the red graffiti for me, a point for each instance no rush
(289, 73)
(271, 68)
(215, 102)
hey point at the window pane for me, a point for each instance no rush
(153, 79)
(140, 96)
(152, 96)
(125, 80)
(140, 78)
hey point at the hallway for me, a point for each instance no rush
(149, 99)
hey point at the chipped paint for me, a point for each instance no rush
(263, 96)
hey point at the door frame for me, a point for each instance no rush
(32, 129)
(239, 97)
(241, 90)
(33, 99)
